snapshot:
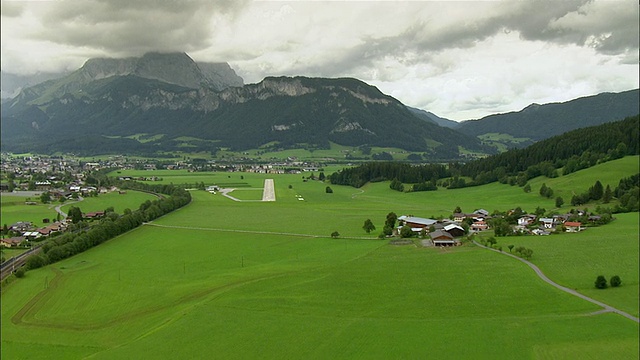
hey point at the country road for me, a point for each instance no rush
(607, 308)
(62, 213)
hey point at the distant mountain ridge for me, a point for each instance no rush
(169, 94)
(431, 117)
(169, 97)
(538, 122)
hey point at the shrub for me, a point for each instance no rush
(35, 261)
(601, 282)
(19, 273)
(615, 281)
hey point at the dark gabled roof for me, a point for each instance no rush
(440, 234)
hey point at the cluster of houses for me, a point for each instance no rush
(441, 232)
(447, 232)
(545, 225)
(27, 231)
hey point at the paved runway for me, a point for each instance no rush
(269, 193)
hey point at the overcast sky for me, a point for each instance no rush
(458, 59)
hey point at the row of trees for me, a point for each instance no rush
(383, 171)
(82, 238)
(628, 194)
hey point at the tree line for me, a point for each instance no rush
(382, 171)
(570, 152)
(81, 237)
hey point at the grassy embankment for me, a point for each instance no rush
(219, 280)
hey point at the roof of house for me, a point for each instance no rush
(418, 220)
(573, 224)
(94, 214)
(13, 240)
(441, 235)
(453, 226)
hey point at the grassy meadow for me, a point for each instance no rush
(240, 280)
(14, 209)
(119, 202)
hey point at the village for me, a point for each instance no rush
(450, 232)
(51, 179)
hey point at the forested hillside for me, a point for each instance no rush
(570, 152)
(539, 122)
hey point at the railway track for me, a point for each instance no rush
(10, 266)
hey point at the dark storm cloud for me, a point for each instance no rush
(134, 27)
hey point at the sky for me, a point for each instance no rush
(460, 60)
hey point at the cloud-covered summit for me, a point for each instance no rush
(477, 54)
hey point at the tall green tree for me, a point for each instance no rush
(75, 214)
(406, 231)
(368, 226)
(596, 191)
(391, 220)
(607, 195)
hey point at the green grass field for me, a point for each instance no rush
(242, 280)
(119, 202)
(575, 260)
(13, 209)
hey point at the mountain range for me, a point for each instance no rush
(108, 104)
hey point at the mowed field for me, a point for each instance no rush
(14, 208)
(241, 280)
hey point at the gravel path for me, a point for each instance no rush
(607, 308)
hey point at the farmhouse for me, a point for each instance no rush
(540, 232)
(454, 230)
(547, 223)
(416, 222)
(32, 235)
(526, 220)
(93, 215)
(21, 226)
(11, 242)
(479, 226)
(573, 226)
(443, 238)
(482, 212)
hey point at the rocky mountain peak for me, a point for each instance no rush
(174, 68)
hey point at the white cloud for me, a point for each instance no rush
(459, 60)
